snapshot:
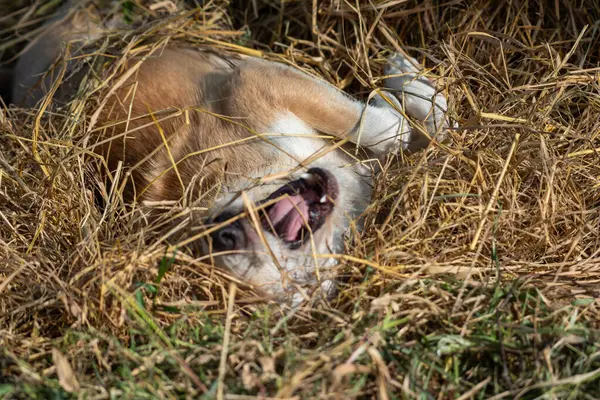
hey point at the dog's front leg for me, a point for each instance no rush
(277, 90)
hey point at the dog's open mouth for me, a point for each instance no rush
(302, 208)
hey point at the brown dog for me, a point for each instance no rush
(265, 133)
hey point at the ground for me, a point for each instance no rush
(477, 273)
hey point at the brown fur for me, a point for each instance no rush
(216, 88)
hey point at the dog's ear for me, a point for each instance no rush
(6, 76)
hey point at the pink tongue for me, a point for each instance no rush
(290, 214)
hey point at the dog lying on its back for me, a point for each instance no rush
(266, 132)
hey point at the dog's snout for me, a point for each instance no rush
(230, 237)
(227, 238)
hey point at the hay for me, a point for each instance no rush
(476, 276)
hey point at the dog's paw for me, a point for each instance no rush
(420, 98)
(387, 99)
(403, 68)
(401, 136)
(383, 128)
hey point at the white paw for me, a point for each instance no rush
(383, 128)
(405, 66)
(400, 134)
(405, 78)
(419, 96)
(381, 101)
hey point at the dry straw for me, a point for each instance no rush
(480, 255)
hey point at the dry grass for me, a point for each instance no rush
(477, 275)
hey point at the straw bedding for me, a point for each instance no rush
(477, 273)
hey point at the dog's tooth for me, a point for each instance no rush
(306, 175)
(323, 199)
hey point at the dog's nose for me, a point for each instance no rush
(229, 237)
